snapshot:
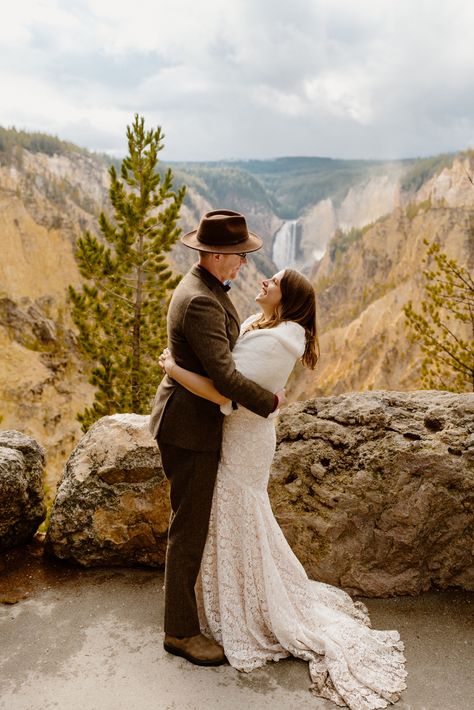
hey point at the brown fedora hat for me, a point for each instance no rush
(224, 232)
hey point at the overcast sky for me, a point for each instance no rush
(244, 78)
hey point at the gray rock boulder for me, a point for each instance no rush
(22, 507)
(111, 506)
(374, 491)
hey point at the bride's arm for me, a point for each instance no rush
(197, 384)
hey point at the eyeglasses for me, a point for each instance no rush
(243, 255)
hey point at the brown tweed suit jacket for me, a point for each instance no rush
(203, 326)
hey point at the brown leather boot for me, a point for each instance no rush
(196, 649)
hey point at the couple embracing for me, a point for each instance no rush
(234, 590)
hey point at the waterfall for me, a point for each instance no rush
(284, 245)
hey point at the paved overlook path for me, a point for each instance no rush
(92, 640)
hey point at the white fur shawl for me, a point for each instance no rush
(267, 356)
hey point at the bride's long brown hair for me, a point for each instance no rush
(298, 304)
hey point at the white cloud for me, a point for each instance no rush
(342, 93)
(280, 102)
(332, 77)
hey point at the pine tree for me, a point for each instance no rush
(121, 310)
(445, 326)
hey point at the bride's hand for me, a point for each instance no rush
(281, 397)
(166, 361)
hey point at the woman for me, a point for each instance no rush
(254, 596)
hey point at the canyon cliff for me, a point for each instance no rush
(47, 201)
(50, 196)
(367, 275)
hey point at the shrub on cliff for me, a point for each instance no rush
(445, 325)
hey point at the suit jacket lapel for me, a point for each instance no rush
(214, 284)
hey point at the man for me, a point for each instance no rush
(203, 327)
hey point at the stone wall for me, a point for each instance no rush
(374, 491)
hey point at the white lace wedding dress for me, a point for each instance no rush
(254, 596)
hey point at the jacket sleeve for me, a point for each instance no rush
(205, 330)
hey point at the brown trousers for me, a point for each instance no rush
(192, 475)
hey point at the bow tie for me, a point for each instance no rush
(226, 285)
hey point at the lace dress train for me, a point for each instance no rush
(255, 598)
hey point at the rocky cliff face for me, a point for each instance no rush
(43, 209)
(364, 281)
(46, 203)
(364, 203)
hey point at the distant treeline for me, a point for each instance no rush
(223, 185)
(290, 185)
(284, 186)
(423, 169)
(12, 142)
(287, 185)
(35, 142)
